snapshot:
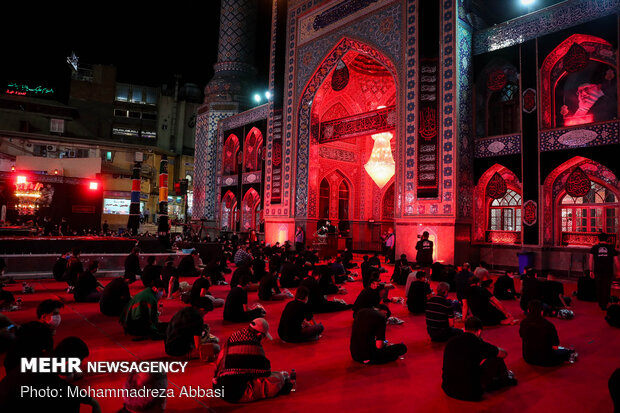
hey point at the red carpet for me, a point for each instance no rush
(328, 380)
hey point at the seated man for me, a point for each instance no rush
(462, 280)
(297, 321)
(235, 307)
(187, 330)
(87, 289)
(347, 259)
(316, 299)
(116, 295)
(140, 317)
(32, 339)
(471, 366)
(290, 273)
(541, 344)
(200, 291)
(48, 313)
(241, 271)
(72, 347)
(337, 268)
(150, 271)
(552, 295)
(187, 266)
(530, 288)
(483, 305)
(372, 295)
(368, 344)
(132, 263)
(74, 269)
(243, 370)
(139, 398)
(418, 294)
(504, 287)
(268, 289)
(170, 276)
(440, 315)
(402, 268)
(375, 261)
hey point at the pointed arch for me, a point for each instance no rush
(252, 150)
(387, 203)
(227, 211)
(556, 218)
(229, 155)
(304, 114)
(251, 202)
(482, 204)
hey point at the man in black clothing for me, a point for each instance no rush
(290, 274)
(370, 296)
(241, 271)
(74, 269)
(199, 294)
(440, 315)
(132, 263)
(60, 266)
(258, 267)
(552, 295)
(424, 255)
(402, 268)
(614, 389)
(541, 344)
(116, 295)
(187, 265)
(462, 281)
(87, 289)
(347, 259)
(483, 305)
(268, 289)
(297, 320)
(472, 366)
(419, 291)
(530, 288)
(235, 307)
(604, 262)
(504, 287)
(316, 299)
(170, 276)
(185, 330)
(368, 344)
(375, 261)
(151, 271)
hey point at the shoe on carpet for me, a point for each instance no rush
(394, 321)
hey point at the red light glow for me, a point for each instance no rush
(93, 186)
(578, 120)
(21, 180)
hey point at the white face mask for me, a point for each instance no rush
(55, 321)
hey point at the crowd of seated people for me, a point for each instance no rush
(471, 366)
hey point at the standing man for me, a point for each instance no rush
(604, 262)
(424, 256)
(389, 246)
(299, 239)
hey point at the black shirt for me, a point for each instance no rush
(268, 285)
(367, 298)
(416, 299)
(150, 273)
(84, 285)
(197, 287)
(539, 336)
(504, 288)
(114, 296)
(478, 300)
(603, 258)
(293, 315)
(241, 271)
(187, 266)
(550, 292)
(315, 297)
(132, 265)
(462, 283)
(368, 327)
(288, 274)
(439, 311)
(530, 290)
(233, 308)
(461, 366)
(425, 252)
(182, 328)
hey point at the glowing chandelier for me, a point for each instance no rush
(380, 166)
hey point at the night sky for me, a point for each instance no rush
(147, 45)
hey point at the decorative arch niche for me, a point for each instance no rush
(229, 155)
(308, 171)
(251, 205)
(580, 59)
(229, 212)
(554, 193)
(253, 150)
(483, 204)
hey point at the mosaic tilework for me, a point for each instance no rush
(229, 121)
(497, 146)
(465, 96)
(380, 30)
(448, 119)
(237, 22)
(408, 176)
(549, 20)
(303, 138)
(271, 112)
(200, 165)
(212, 162)
(579, 137)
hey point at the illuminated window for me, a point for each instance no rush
(503, 111)
(324, 199)
(595, 212)
(505, 212)
(122, 93)
(229, 155)
(343, 201)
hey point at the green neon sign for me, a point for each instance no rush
(23, 90)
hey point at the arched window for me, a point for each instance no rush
(228, 212)
(505, 213)
(253, 150)
(595, 212)
(229, 155)
(343, 201)
(387, 212)
(251, 201)
(503, 110)
(324, 199)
